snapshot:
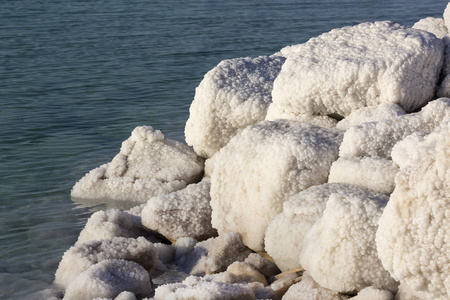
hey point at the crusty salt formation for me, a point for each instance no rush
(352, 67)
(342, 243)
(185, 213)
(81, 257)
(331, 157)
(285, 235)
(108, 279)
(147, 165)
(418, 214)
(372, 172)
(261, 168)
(378, 138)
(232, 96)
(107, 224)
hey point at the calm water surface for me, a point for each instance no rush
(76, 77)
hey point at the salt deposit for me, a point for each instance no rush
(330, 156)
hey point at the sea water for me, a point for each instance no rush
(76, 77)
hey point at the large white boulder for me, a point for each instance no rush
(81, 257)
(286, 233)
(233, 95)
(147, 165)
(339, 250)
(353, 67)
(413, 237)
(261, 168)
(184, 213)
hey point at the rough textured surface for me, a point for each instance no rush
(81, 257)
(107, 224)
(203, 289)
(378, 138)
(286, 233)
(433, 25)
(231, 96)
(108, 279)
(342, 243)
(353, 67)
(261, 168)
(308, 289)
(211, 256)
(380, 112)
(373, 173)
(374, 294)
(418, 214)
(147, 165)
(185, 213)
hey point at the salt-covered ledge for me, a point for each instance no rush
(328, 161)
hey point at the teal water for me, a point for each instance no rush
(77, 76)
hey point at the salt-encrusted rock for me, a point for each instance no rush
(262, 167)
(108, 279)
(308, 289)
(353, 67)
(374, 173)
(342, 243)
(380, 112)
(286, 233)
(246, 272)
(266, 267)
(433, 25)
(147, 165)
(413, 235)
(378, 138)
(233, 95)
(107, 224)
(213, 255)
(185, 213)
(374, 294)
(203, 289)
(81, 257)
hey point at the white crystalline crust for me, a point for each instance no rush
(210, 256)
(107, 224)
(446, 16)
(373, 173)
(202, 288)
(308, 289)
(378, 138)
(185, 213)
(81, 257)
(233, 95)
(374, 294)
(262, 167)
(433, 25)
(413, 238)
(353, 67)
(108, 279)
(148, 165)
(342, 243)
(286, 233)
(380, 112)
